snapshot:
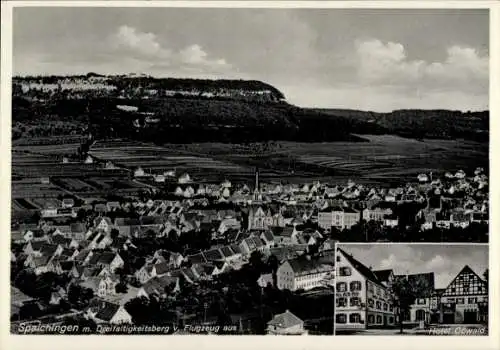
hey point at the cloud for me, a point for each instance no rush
(145, 48)
(464, 69)
(195, 55)
(139, 42)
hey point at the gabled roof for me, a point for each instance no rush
(235, 248)
(268, 236)
(162, 268)
(286, 231)
(107, 313)
(304, 266)
(213, 254)
(41, 261)
(383, 275)
(77, 227)
(226, 251)
(361, 268)
(465, 270)
(197, 258)
(285, 320)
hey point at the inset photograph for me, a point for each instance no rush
(411, 289)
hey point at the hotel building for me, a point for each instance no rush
(362, 299)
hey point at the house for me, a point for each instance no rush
(375, 214)
(465, 299)
(101, 285)
(363, 299)
(340, 218)
(283, 235)
(103, 223)
(159, 287)
(303, 272)
(286, 324)
(229, 223)
(251, 244)
(184, 179)
(268, 238)
(391, 220)
(139, 172)
(102, 311)
(68, 203)
(108, 260)
(38, 264)
(77, 231)
(265, 280)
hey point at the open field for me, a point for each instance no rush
(384, 159)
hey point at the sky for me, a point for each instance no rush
(445, 261)
(366, 59)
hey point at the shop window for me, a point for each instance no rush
(371, 319)
(379, 319)
(341, 318)
(355, 318)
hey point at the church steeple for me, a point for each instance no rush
(256, 192)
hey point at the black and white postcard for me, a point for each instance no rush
(259, 169)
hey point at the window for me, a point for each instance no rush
(370, 302)
(341, 302)
(453, 289)
(355, 318)
(472, 300)
(421, 301)
(371, 319)
(370, 287)
(338, 258)
(391, 308)
(385, 306)
(345, 271)
(341, 286)
(379, 319)
(341, 318)
(460, 300)
(378, 305)
(355, 286)
(354, 301)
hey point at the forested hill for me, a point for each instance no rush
(167, 110)
(141, 86)
(418, 123)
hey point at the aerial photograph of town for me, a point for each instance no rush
(257, 173)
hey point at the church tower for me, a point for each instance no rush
(256, 192)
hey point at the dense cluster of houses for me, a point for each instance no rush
(287, 221)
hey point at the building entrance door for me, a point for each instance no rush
(470, 317)
(448, 318)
